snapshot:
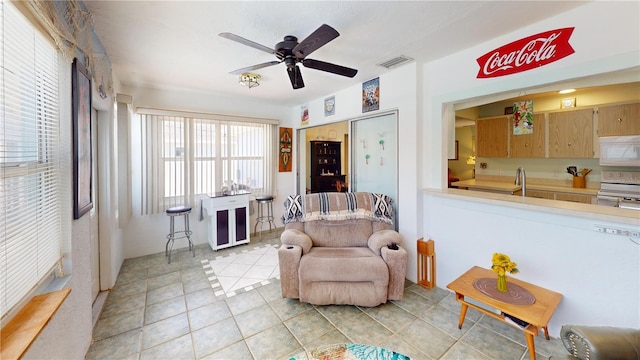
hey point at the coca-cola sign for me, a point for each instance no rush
(526, 54)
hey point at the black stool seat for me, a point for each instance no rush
(264, 200)
(178, 209)
(173, 212)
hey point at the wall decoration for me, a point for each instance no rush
(523, 117)
(286, 150)
(371, 95)
(82, 161)
(304, 114)
(568, 103)
(526, 54)
(508, 110)
(330, 106)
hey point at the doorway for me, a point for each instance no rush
(369, 154)
(337, 132)
(94, 233)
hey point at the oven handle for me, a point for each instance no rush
(615, 199)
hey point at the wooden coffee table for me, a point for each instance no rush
(537, 314)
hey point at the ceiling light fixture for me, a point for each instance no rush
(566, 91)
(249, 80)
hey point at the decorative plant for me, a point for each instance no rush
(381, 142)
(366, 158)
(501, 265)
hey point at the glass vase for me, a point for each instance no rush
(502, 283)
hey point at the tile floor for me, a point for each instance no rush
(171, 311)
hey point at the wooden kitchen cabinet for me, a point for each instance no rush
(491, 137)
(571, 134)
(540, 194)
(623, 119)
(579, 198)
(528, 145)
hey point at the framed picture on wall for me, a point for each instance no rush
(330, 106)
(371, 95)
(82, 157)
(286, 150)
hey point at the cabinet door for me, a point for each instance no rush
(571, 134)
(619, 120)
(528, 145)
(540, 194)
(222, 227)
(585, 199)
(242, 232)
(491, 137)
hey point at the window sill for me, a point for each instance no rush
(24, 328)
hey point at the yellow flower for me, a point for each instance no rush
(502, 264)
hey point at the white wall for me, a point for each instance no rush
(398, 91)
(598, 274)
(68, 334)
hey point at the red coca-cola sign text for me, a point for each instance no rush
(526, 54)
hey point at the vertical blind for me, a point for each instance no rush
(30, 196)
(184, 157)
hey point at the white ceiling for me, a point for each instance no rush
(175, 44)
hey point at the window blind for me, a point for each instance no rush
(184, 157)
(30, 196)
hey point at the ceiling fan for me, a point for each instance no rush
(291, 53)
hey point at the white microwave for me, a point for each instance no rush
(620, 150)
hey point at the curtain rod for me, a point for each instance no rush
(208, 116)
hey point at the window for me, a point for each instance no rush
(31, 189)
(184, 157)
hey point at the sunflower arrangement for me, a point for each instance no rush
(502, 264)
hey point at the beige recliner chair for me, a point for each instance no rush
(600, 343)
(340, 248)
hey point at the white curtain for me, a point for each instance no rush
(186, 155)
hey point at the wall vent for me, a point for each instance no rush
(396, 61)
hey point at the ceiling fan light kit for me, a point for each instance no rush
(249, 79)
(290, 52)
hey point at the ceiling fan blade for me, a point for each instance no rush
(296, 77)
(332, 68)
(244, 41)
(313, 42)
(254, 67)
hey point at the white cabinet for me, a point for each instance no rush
(228, 219)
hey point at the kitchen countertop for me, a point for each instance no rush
(587, 211)
(510, 187)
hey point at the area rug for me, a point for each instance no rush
(349, 352)
(242, 270)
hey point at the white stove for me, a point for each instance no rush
(620, 188)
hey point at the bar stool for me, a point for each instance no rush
(173, 234)
(266, 200)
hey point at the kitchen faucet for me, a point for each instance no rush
(521, 178)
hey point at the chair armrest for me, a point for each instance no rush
(397, 263)
(383, 238)
(296, 237)
(289, 262)
(601, 342)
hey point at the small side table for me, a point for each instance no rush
(537, 314)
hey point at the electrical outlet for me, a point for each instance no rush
(616, 231)
(556, 173)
